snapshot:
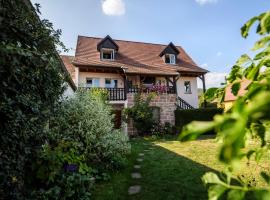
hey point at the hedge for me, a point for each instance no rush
(183, 117)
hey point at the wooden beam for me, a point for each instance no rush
(204, 90)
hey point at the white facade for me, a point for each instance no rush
(192, 97)
(101, 76)
(69, 92)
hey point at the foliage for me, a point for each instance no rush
(141, 113)
(183, 117)
(249, 117)
(82, 140)
(88, 120)
(212, 96)
(62, 172)
(162, 129)
(31, 84)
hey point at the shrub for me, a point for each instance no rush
(183, 117)
(81, 138)
(141, 113)
(31, 84)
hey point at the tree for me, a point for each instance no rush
(249, 117)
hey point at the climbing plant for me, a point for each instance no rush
(31, 84)
(249, 117)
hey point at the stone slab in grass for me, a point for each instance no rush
(139, 159)
(141, 154)
(136, 175)
(134, 189)
(137, 166)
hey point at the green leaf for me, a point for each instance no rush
(243, 59)
(235, 87)
(236, 195)
(194, 129)
(266, 177)
(265, 23)
(216, 191)
(247, 25)
(261, 43)
(262, 194)
(212, 178)
(253, 73)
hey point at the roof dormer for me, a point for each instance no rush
(107, 43)
(107, 48)
(169, 54)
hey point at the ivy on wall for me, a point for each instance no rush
(31, 84)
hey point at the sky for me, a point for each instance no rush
(209, 30)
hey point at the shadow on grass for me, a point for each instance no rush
(165, 176)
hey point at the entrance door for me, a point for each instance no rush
(117, 118)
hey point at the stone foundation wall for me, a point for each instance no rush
(166, 103)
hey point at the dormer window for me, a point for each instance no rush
(107, 48)
(169, 58)
(169, 54)
(107, 54)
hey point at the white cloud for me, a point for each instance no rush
(203, 2)
(213, 79)
(113, 7)
(219, 53)
(204, 65)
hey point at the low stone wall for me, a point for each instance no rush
(166, 103)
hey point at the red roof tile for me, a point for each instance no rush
(67, 60)
(137, 57)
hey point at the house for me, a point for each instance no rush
(230, 98)
(125, 68)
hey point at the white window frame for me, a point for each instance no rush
(185, 91)
(111, 82)
(92, 86)
(112, 54)
(172, 59)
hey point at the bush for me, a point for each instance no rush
(184, 117)
(141, 113)
(31, 84)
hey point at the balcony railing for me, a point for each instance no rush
(119, 94)
(114, 94)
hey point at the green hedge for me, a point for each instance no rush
(183, 117)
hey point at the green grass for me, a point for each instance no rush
(172, 170)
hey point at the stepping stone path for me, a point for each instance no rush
(137, 166)
(136, 175)
(135, 189)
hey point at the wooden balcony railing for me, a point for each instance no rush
(120, 94)
(114, 94)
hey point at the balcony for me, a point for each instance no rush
(120, 94)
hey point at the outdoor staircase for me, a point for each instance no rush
(182, 104)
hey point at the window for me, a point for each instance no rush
(107, 54)
(187, 86)
(170, 58)
(107, 83)
(110, 83)
(92, 82)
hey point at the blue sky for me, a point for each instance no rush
(209, 30)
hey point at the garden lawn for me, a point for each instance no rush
(171, 170)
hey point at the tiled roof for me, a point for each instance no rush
(67, 60)
(243, 89)
(137, 57)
